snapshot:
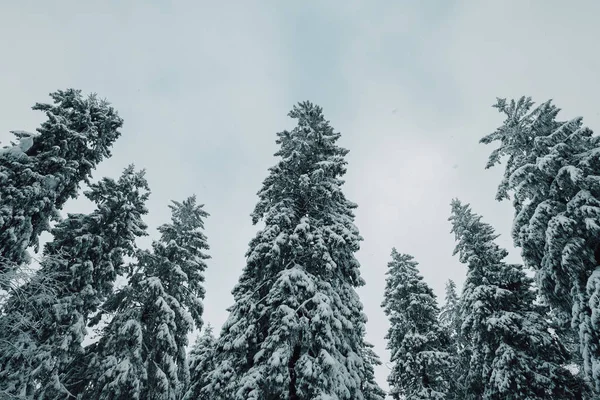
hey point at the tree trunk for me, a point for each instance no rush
(292, 368)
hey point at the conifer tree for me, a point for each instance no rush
(85, 257)
(419, 345)
(450, 321)
(520, 136)
(509, 352)
(201, 362)
(553, 176)
(43, 170)
(369, 387)
(296, 329)
(449, 311)
(142, 354)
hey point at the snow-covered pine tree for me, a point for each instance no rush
(43, 170)
(142, 353)
(201, 362)
(418, 344)
(296, 329)
(84, 259)
(369, 387)
(115, 367)
(519, 137)
(556, 191)
(449, 317)
(509, 351)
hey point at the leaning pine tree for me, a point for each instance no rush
(418, 344)
(83, 259)
(142, 352)
(509, 352)
(296, 329)
(41, 172)
(553, 171)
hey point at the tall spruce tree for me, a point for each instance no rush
(84, 257)
(142, 353)
(43, 170)
(418, 344)
(509, 351)
(554, 178)
(201, 362)
(296, 329)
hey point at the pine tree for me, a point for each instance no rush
(370, 388)
(296, 329)
(509, 352)
(85, 257)
(418, 344)
(520, 136)
(142, 354)
(556, 194)
(449, 311)
(42, 171)
(201, 362)
(115, 367)
(450, 321)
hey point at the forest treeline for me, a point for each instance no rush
(296, 329)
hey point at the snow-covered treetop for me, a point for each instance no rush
(187, 224)
(120, 207)
(451, 291)
(303, 193)
(518, 135)
(309, 156)
(205, 342)
(448, 312)
(76, 137)
(473, 235)
(43, 170)
(179, 257)
(98, 241)
(408, 300)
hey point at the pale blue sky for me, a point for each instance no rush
(203, 87)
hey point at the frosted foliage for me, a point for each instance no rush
(121, 372)
(162, 304)
(509, 352)
(449, 318)
(43, 170)
(201, 362)
(556, 191)
(419, 345)
(591, 329)
(519, 136)
(296, 329)
(83, 260)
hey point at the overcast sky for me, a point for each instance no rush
(204, 86)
